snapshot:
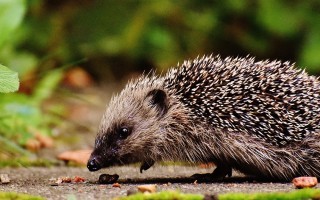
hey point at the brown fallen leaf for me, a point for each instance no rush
(45, 141)
(33, 145)
(78, 179)
(77, 78)
(305, 182)
(66, 179)
(77, 156)
(63, 180)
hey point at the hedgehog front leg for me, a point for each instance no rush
(220, 172)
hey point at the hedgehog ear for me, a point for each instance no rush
(158, 98)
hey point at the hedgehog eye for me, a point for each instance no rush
(124, 133)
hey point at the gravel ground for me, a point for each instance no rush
(36, 181)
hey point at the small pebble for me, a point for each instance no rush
(147, 188)
(4, 178)
(116, 185)
(305, 182)
(132, 191)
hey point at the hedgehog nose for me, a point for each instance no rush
(93, 165)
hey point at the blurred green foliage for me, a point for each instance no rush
(11, 15)
(21, 116)
(117, 37)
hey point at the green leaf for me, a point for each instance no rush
(11, 15)
(9, 81)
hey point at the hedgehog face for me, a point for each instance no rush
(130, 129)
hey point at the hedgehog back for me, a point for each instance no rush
(272, 101)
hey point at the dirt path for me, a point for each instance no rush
(36, 181)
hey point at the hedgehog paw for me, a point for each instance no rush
(219, 173)
(146, 165)
(202, 177)
(222, 172)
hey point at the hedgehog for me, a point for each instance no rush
(260, 118)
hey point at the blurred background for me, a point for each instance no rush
(72, 55)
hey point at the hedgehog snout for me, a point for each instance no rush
(93, 164)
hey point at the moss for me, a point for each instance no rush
(164, 195)
(26, 162)
(302, 194)
(17, 196)
(296, 194)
